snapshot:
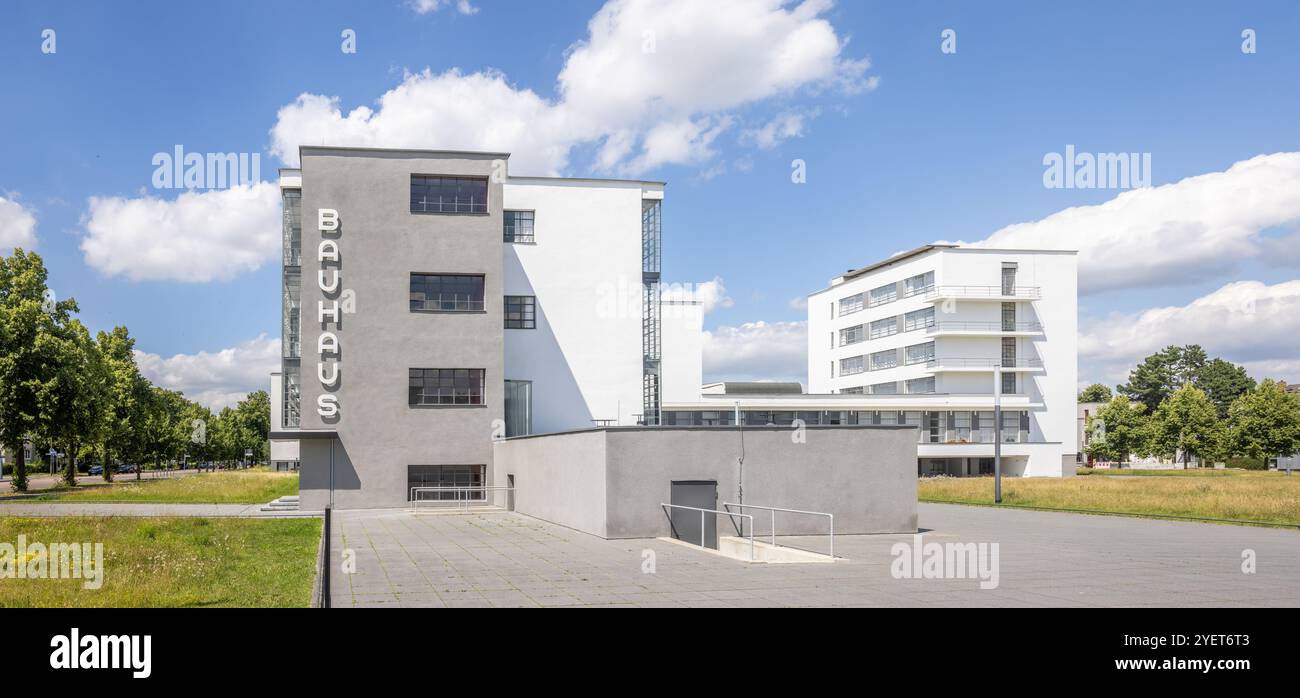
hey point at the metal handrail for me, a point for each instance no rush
(983, 292)
(953, 325)
(829, 515)
(715, 512)
(982, 362)
(462, 501)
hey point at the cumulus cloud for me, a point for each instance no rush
(653, 83)
(710, 294)
(1197, 227)
(757, 351)
(784, 127)
(425, 7)
(17, 225)
(199, 236)
(215, 379)
(1246, 322)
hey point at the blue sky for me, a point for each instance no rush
(918, 146)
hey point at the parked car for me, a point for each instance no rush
(126, 468)
(95, 470)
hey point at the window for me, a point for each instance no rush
(447, 292)
(884, 359)
(292, 227)
(851, 366)
(432, 194)
(918, 353)
(885, 294)
(1008, 352)
(1008, 384)
(852, 391)
(1008, 278)
(519, 226)
(884, 328)
(521, 312)
(446, 386)
(851, 335)
(890, 388)
(918, 284)
(1008, 317)
(885, 417)
(292, 395)
(918, 386)
(918, 319)
(519, 408)
(452, 482)
(852, 304)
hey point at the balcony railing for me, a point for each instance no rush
(955, 326)
(975, 436)
(1030, 292)
(958, 362)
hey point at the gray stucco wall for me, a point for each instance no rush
(382, 243)
(865, 476)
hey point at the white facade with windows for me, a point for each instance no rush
(940, 323)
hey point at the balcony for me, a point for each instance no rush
(973, 329)
(989, 293)
(948, 363)
(966, 435)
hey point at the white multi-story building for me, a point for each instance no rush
(927, 336)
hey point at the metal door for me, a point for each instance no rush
(701, 494)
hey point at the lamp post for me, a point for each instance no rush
(997, 434)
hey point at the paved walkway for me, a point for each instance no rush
(143, 509)
(1045, 559)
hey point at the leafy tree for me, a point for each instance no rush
(1224, 382)
(1188, 422)
(254, 415)
(1119, 429)
(128, 390)
(1095, 393)
(73, 407)
(1162, 373)
(164, 430)
(1266, 421)
(30, 318)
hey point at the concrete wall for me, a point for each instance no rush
(382, 243)
(865, 476)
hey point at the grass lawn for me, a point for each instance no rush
(232, 487)
(1239, 495)
(169, 562)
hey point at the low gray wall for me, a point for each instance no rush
(610, 482)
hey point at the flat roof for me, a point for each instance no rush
(472, 153)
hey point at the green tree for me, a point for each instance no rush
(1188, 423)
(1095, 393)
(1224, 382)
(1162, 373)
(75, 403)
(30, 320)
(128, 390)
(165, 431)
(1119, 429)
(254, 415)
(1266, 421)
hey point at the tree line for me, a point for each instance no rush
(62, 389)
(1180, 403)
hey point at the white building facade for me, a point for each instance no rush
(926, 337)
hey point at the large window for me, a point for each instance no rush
(433, 194)
(852, 304)
(521, 312)
(446, 386)
(851, 365)
(918, 284)
(884, 328)
(890, 388)
(918, 319)
(519, 408)
(518, 226)
(918, 386)
(851, 335)
(884, 294)
(447, 292)
(884, 359)
(448, 483)
(918, 353)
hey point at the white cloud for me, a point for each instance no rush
(425, 7)
(784, 127)
(1246, 322)
(757, 351)
(711, 294)
(17, 225)
(215, 379)
(200, 236)
(798, 303)
(652, 84)
(1197, 227)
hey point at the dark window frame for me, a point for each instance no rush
(446, 387)
(522, 312)
(510, 220)
(446, 298)
(449, 194)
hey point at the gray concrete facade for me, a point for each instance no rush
(610, 482)
(381, 243)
